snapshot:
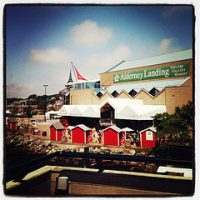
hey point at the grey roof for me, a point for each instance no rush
(83, 127)
(164, 58)
(149, 128)
(70, 127)
(127, 129)
(58, 126)
(12, 119)
(115, 128)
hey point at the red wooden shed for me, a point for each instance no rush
(12, 123)
(80, 134)
(148, 137)
(56, 131)
(113, 136)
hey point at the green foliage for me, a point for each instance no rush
(11, 100)
(176, 128)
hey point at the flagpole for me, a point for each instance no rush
(74, 71)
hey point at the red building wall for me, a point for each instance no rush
(78, 135)
(111, 137)
(147, 143)
(12, 125)
(59, 135)
(52, 133)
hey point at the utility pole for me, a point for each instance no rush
(45, 105)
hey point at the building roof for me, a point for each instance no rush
(80, 111)
(149, 128)
(58, 126)
(115, 128)
(83, 127)
(127, 129)
(65, 110)
(70, 127)
(132, 109)
(137, 86)
(13, 119)
(164, 58)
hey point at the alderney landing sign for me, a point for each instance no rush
(153, 73)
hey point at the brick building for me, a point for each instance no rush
(161, 80)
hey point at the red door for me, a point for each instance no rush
(59, 135)
(52, 133)
(78, 136)
(110, 137)
(14, 126)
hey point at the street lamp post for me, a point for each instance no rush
(45, 86)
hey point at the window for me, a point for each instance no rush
(153, 91)
(115, 94)
(132, 93)
(99, 94)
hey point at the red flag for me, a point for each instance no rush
(78, 75)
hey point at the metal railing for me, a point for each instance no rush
(22, 169)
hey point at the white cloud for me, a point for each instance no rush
(90, 34)
(52, 56)
(98, 63)
(165, 45)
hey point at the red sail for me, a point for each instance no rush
(78, 75)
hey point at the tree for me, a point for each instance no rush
(32, 96)
(178, 127)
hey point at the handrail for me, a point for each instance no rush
(22, 169)
(126, 158)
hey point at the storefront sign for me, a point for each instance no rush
(154, 73)
(149, 135)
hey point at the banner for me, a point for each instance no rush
(153, 73)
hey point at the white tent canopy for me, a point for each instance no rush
(65, 110)
(132, 109)
(80, 111)
(129, 109)
(127, 129)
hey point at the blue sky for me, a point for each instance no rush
(41, 41)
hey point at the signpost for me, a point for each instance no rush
(153, 73)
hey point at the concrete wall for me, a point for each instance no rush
(151, 100)
(84, 97)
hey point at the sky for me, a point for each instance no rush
(41, 41)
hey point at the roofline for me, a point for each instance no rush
(147, 58)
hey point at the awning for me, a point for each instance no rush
(92, 111)
(132, 109)
(129, 109)
(139, 112)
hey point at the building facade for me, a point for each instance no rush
(161, 80)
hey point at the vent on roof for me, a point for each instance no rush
(153, 91)
(132, 93)
(115, 94)
(99, 94)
